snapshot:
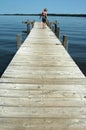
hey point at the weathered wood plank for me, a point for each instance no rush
(41, 75)
(45, 81)
(45, 112)
(42, 123)
(57, 87)
(40, 93)
(11, 101)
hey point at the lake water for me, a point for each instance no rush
(73, 27)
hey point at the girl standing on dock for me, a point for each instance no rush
(44, 17)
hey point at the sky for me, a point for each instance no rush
(36, 6)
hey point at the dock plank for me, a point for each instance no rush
(42, 123)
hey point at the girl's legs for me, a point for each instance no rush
(44, 24)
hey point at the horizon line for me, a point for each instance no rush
(49, 14)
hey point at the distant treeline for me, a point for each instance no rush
(50, 14)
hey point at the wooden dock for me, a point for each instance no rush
(42, 88)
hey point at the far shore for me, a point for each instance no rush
(50, 14)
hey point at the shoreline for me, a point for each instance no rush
(67, 15)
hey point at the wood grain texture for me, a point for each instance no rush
(42, 88)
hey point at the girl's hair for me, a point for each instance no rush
(45, 9)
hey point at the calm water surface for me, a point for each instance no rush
(73, 27)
